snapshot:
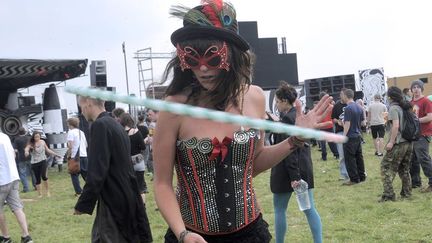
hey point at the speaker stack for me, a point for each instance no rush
(98, 78)
(330, 85)
(98, 73)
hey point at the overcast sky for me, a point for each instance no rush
(331, 37)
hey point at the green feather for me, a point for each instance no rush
(228, 14)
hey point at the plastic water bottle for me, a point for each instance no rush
(302, 196)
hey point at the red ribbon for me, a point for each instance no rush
(220, 148)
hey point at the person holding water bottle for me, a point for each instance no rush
(294, 173)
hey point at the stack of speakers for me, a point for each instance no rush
(98, 74)
(331, 85)
(98, 78)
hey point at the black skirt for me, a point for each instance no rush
(256, 232)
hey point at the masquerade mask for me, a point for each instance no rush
(213, 58)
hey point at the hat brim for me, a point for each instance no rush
(199, 32)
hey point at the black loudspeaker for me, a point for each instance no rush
(110, 105)
(4, 95)
(270, 65)
(98, 73)
(358, 95)
(331, 85)
(25, 101)
(424, 80)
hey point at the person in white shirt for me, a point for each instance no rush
(9, 186)
(77, 143)
(375, 117)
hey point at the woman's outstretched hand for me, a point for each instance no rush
(314, 116)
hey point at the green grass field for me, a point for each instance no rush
(348, 214)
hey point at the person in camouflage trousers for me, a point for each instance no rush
(398, 150)
(395, 161)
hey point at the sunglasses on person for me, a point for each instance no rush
(214, 57)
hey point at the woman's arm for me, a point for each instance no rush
(268, 156)
(69, 149)
(164, 143)
(394, 132)
(27, 150)
(49, 150)
(164, 149)
(70, 144)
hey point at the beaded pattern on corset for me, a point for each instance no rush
(217, 196)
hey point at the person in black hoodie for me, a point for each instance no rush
(287, 174)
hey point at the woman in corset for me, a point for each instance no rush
(215, 163)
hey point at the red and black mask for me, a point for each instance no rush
(215, 57)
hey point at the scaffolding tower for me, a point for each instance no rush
(145, 69)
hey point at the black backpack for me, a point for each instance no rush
(411, 127)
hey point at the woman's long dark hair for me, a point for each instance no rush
(396, 95)
(230, 83)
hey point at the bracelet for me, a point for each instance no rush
(295, 142)
(183, 235)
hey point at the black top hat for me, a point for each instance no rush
(212, 19)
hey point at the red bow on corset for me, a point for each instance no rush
(220, 148)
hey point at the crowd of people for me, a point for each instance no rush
(399, 155)
(215, 163)
(345, 116)
(27, 157)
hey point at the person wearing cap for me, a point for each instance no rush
(423, 108)
(375, 118)
(215, 163)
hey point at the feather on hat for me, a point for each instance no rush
(213, 18)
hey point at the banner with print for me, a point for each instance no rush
(372, 82)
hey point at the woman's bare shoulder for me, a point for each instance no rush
(254, 101)
(256, 93)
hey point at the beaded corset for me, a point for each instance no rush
(214, 182)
